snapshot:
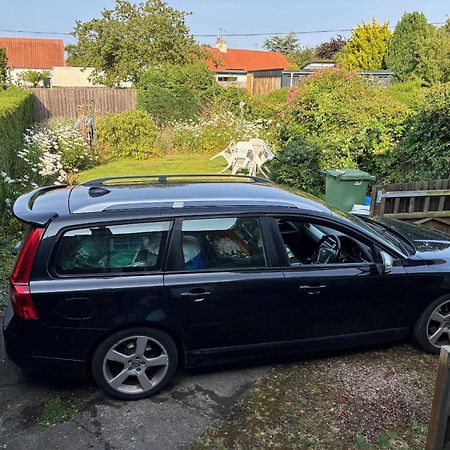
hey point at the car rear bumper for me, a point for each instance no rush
(25, 344)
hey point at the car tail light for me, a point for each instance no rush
(19, 281)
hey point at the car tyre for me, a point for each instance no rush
(421, 331)
(135, 363)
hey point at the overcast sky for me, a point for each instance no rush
(230, 16)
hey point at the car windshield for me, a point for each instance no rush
(395, 239)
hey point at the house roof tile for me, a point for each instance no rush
(247, 60)
(28, 53)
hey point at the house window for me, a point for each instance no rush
(227, 78)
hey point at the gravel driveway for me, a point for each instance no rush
(68, 414)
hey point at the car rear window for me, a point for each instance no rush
(111, 249)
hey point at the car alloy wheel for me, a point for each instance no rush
(135, 363)
(438, 326)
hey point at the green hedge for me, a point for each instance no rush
(16, 115)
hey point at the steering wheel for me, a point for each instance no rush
(327, 250)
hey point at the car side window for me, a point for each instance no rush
(309, 243)
(223, 243)
(111, 249)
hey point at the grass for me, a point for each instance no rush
(373, 400)
(56, 410)
(169, 164)
(59, 408)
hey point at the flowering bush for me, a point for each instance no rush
(76, 155)
(53, 154)
(212, 134)
(47, 157)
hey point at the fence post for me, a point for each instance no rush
(439, 427)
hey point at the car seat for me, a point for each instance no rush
(192, 253)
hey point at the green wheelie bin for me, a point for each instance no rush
(346, 187)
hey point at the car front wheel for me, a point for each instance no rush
(432, 329)
(135, 363)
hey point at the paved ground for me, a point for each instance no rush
(31, 405)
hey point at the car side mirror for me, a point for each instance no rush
(384, 261)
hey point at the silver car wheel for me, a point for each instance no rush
(438, 326)
(135, 364)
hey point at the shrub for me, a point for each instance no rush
(128, 134)
(3, 68)
(16, 114)
(213, 133)
(367, 46)
(51, 156)
(356, 124)
(403, 54)
(330, 49)
(425, 150)
(174, 93)
(228, 99)
(269, 106)
(411, 93)
(209, 135)
(297, 164)
(76, 155)
(35, 77)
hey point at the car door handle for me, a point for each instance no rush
(195, 295)
(311, 290)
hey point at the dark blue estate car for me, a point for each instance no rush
(128, 278)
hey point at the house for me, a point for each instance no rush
(73, 77)
(32, 54)
(232, 66)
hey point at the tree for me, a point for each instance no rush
(328, 50)
(301, 57)
(3, 68)
(34, 77)
(284, 44)
(406, 46)
(131, 38)
(425, 150)
(434, 56)
(366, 48)
(169, 92)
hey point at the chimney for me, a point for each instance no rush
(221, 45)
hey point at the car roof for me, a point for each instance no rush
(42, 205)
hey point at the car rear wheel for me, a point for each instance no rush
(432, 329)
(135, 363)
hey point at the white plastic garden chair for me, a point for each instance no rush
(227, 154)
(261, 155)
(243, 156)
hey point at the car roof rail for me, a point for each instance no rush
(165, 179)
(23, 211)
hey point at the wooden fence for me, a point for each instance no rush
(439, 428)
(423, 202)
(62, 102)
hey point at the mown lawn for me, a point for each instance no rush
(166, 165)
